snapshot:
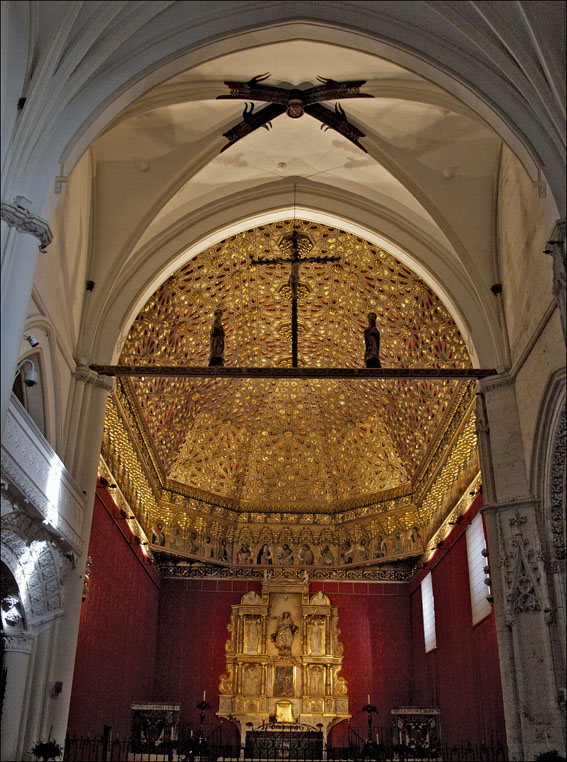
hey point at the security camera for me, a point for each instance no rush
(30, 377)
(31, 339)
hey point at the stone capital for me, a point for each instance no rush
(21, 642)
(495, 382)
(24, 221)
(88, 376)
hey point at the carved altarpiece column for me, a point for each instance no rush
(283, 659)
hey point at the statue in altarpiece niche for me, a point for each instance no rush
(315, 638)
(283, 636)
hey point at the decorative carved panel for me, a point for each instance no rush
(39, 475)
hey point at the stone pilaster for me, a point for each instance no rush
(16, 653)
(23, 236)
(517, 570)
(82, 456)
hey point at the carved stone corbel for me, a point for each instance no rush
(17, 216)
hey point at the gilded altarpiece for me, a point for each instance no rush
(283, 659)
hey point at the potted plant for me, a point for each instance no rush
(47, 750)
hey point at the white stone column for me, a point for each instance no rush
(16, 652)
(23, 236)
(517, 571)
(87, 412)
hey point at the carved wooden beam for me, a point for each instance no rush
(180, 371)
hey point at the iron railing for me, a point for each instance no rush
(216, 748)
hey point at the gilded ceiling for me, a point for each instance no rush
(293, 445)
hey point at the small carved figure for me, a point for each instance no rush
(264, 557)
(217, 341)
(316, 681)
(244, 555)
(381, 547)
(285, 556)
(208, 548)
(315, 640)
(251, 679)
(327, 557)
(363, 551)
(193, 543)
(176, 542)
(283, 636)
(252, 633)
(306, 555)
(223, 550)
(158, 535)
(372, 343)
(347, 553)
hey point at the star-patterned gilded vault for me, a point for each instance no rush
(293, 444)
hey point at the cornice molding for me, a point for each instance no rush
(18, 217)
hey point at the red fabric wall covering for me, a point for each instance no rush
(118, 629)
(193, 619)
(374, 620)
(137, 642)
(461, 676)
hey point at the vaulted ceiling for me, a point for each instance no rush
(293, 444)
(411, 218)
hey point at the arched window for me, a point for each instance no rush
(31, 396)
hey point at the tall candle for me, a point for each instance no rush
(204, 695)
(368, 697)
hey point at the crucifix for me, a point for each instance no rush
(297, 243)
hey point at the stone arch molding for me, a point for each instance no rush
(130, 288)
(37, 566)
(548, 465)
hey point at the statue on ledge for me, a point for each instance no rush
(217, 341)
(372, 343)
(283, 636)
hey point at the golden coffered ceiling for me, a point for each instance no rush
(293, 445)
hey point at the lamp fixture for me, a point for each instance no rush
(29, 337)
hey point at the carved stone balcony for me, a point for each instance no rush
(36, 472)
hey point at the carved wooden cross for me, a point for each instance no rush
(295, 241)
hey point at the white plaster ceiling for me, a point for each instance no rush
(409, 114)
(431, 169)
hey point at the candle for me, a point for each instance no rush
(368, 697)
(204, 695)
